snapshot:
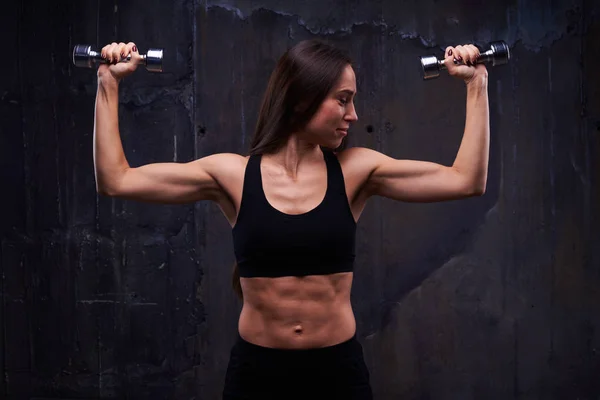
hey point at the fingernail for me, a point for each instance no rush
(449, 52)
(134, 48)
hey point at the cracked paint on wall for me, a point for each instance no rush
(536, 24)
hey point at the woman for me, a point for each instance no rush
(293, 205)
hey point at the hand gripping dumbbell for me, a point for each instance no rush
(86, 57)
(498, 54)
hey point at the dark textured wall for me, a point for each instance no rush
(495, 297)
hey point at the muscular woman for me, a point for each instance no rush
(293, 204)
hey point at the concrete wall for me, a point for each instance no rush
(494, 297)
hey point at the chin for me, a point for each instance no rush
(334, 145)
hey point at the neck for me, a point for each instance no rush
(295, 152)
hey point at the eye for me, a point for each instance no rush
(343, 101)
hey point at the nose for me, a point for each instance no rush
(351, 115)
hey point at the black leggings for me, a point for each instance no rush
(335, 372)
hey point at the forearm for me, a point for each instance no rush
(109, 158)
(473, 154)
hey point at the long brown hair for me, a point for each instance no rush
(301, 80)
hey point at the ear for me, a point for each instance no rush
(299, 110)
(301, 107)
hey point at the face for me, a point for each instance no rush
(330, 124)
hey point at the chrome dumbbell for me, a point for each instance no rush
(85, 56)
(498, 54)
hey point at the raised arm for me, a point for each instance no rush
(160, 182)
(422, 181)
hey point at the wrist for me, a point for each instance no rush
(478, 80)
(108, 80)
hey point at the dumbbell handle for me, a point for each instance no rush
(86, 57)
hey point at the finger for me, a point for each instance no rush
(117, 52)
(104, 51)
(123, 51)
(476, 49)
(471, 56)
(113, 51)
(108, 51)
(460, 53)
(449, 51)
(130, 48)
(473, 53)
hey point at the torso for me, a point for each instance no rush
(295, 312)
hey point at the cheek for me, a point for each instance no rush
(331, 116)
(317, 123)
(326, 118)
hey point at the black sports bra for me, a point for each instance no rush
(270, 243)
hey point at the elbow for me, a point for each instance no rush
(109, 184)
(106, 189)
(471, 183)
(478, 189)
(471, 186)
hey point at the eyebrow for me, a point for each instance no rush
(347, 91)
